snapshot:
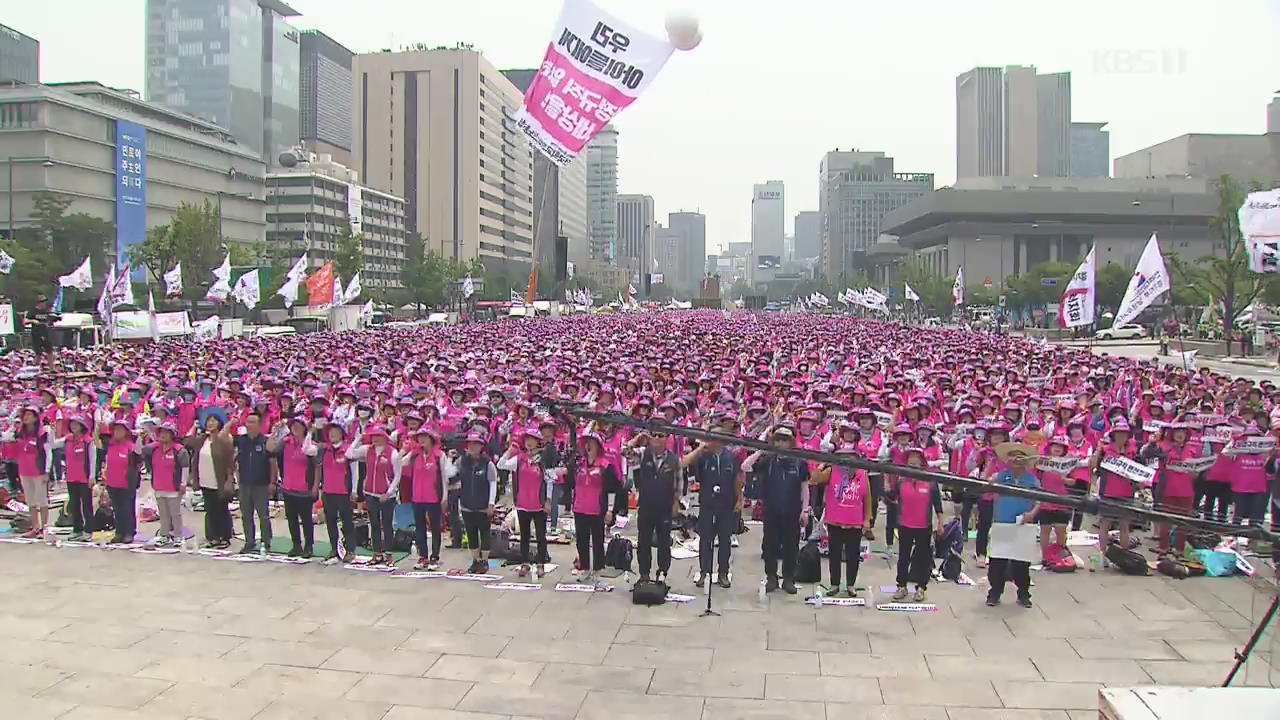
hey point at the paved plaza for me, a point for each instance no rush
(90, 633)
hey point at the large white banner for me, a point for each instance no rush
(1079, 299)
(595, 65)
(136, 324)
(355, 204)
(1260, 226)
(957, 288)
(6, 320)
(1150, 280)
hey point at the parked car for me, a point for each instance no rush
(1125, 331)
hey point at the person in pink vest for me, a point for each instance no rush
(1053, 518)
(1113, 486)
(381, 484)
(1217, 480)
(32, 450)
(1250, 484)
(293, 453)
(167, 462)
(1080, 480)
(919, 516)
(532, 468)
(1175, 489)
(337, 490)
(430, 471)
(594, 476)
(82, 466)
(121, 475)
(847, 513)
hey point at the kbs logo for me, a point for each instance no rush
(1153, 61)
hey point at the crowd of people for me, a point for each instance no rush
(452, 421)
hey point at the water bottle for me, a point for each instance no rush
(627, 584)
(1095, 563)
(818, 593)
(760, 595)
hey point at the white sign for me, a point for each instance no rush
(1130, 469)
(1205, 420)
(1253, 445)
(355, 204)
(1079, 299)
(1059, 465)
(1221, 435)
(6, 320)
(1193, 466)
(1260, 225)
(136, 324)
(1150, 280)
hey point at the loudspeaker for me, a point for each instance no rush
(561, 259)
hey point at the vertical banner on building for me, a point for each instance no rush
(131, 190)
(355, 203)
(595, 66)
(1260, 225)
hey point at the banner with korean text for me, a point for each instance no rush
(595, 66)
(131, 191)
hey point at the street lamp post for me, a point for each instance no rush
(45, 162)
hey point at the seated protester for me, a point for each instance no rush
(849, 519)
(657, 475)
(916, 526)
(785, 493)
(1175, 488)
(1009, 510)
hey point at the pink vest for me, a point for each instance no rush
(1250, 474)
(30, 453)
(1054, 483)
(846, 501)
(334, 468)
(588, 494)
(870, 448)
(427, 481)
(164, 470)
(913, 503)
(1082, 452)
(1223, 467)
(293, 466)
(118, 465)
(1178, 484)
(80, 465)
(1113, 485)
(378, 472)
(528, 485)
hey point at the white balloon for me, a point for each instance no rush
(682, 31)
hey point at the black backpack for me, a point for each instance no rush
(1127, 561)
(809, 564)
(649, 592)
(619, 553)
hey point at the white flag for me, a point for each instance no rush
(353, 289)
(81, 278)
(657, 278)
(122, 290)
(874, 297)
(104, 300)
(288, 291)
(911, 294)
(6, 263)
(366, 310)
(1080, 297)
(957, 289)
(1260, 225)
(207, 329)
(219, 291)
(631, 289)
(298, 272)
(247, 292)
(151, 316)
(223, 271)
(173, 281)
(468, 287)
(1150, 280)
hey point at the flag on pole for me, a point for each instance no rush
(353, 289)
(223, 271)
(957, 289)
(631, 289)
(81, 278)
(151, 316)
(122, 290)
(516, 298)
(221, 287)
(288, 291)
(207, 329)
(911, 294)
(247, 292)
(173, 281)
(1080, 298)
(366, 310)
(6, 262)
(320, 286)
(299, 270)
(56, 305)
(468, 287)
(531, 293)
(1150, 280)
(104, 300)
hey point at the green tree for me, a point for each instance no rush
(934, 290)
(191, 238)
(54, 246)
(1112, 281)
(1029, 290)
(348, 258)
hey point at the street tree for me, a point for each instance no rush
(348, 257)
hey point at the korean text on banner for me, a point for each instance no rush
(1059, 465)
(1150, 280)
(595, 66)
(131, 189)
(1260, 225)
(6, 320)
(1131, 469)
(1076, 308)
(1194, 465)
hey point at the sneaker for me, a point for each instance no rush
(539, 571)
(421, 564)
(75, 537)
(733, 541)
(295, 551)
(724, 581)
(33, 533)
(771, 584)
(377, 559)
(982, 562)
(1025, 602)
(851, 593)
(333, 555)
(901, 594)
(307, 553)
(919, 596)
(789, 587)
(523, 571)
(249, 549)
(700, 581)
(992, 601)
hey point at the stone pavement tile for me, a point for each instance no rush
(485, 670)
(419, 692)
(708, 635)
(112, 690)
(264, 628)
(1189, 674)
(596, 677)
(565, 651)
(667, 615)
(1165, 611)
(1070, 627)
(963, 693)
(1233, 620)
(863, 623)
(279, 652)
(955, 667)
(75, 658)
(645, 656)
(30, 628)
(384, 662)
(1047, 695)
(1186, 630)
(252, 607)
(815, 641)
(629, 706)
(826, 688)
(175, 643)
(1124, 649)
(1205, 650)
(874, 666)
(715, 683)
(362, 612)
(1007, 714)
(771, 661)
(433, 641)
(972, 622)
(846, 711)
(934, 644)
(556, 703)
(1022, 647)
(1112, 672)
(344, 635)
(101, 712)
(288, 681)
(297, 708)
(521, 627)
(408, 712)
(18, 704)
(204, 670)
(213, 703)
(591, 631)
(733, 709)
(29, 679)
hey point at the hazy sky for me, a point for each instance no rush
(775, 85)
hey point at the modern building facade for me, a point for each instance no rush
(636, 227)
(768, 226)
(998, 228)
(856, 190)
(325, 96)
(67, 139)
(434, 127)
(668, 254)
(1090, 150)
(1012, 121)
(234, 63)
(19, 57)
(602, 194)
(309, 206)
(1247, 158)
(808, 234)
(1273, 115)
(691, 264)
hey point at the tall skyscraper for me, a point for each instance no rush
(668, 255)
(19, 57)
(635, 233)
(856, 189)
(602, 194)
(808, 234)
(559, 196)
(692, 227)
(768, 213)
(435, 128)
(1090, 150)
(325, 100)
(1013, 122)
(232, 62)
(1273, 114)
